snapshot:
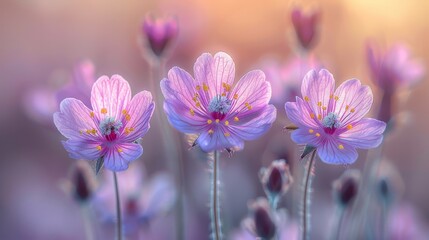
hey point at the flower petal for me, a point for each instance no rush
(140, 111)
(182, 119)
(303, 136)
(252, 92)
(300, 114)
(110, 96)
(83, 149)
(336, 152)
(74, 120)
(256, 127)
(367, 133)
(215, 72)
(217, 141)
(354, 101)
(317, 90)
(119, 156)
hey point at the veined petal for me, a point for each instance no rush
(354, 101)
(299, 113)
(183, 119)
(367, 133)
(110, 96)
(251, 92)
(74, 120)
(218, 141)
(307, 136)
(336, 152)
(317, 90)
(137, 116)
(83, 149)
(118, 157)
(256, 126)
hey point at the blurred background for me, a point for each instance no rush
(42, 41)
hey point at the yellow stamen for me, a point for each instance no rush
(307, 99)
(341, 147)
(93, 131)
(310, 130)
(317, 134)
(205, 87)
(124, 112)
(319, 104)
(198, 104)
(198, 87)
(227, 134)
(347, 107)
(209, 121)
(319, 116)
(312, 115)
(192, 111)
(98, 148)
(336, 98)
(128, 117)
(103, 110)
(324, 108)
(331, 96)
(120, 150)
(226, 123)
(349, 126)
(217, 120)
(211, 131)
(236, 96)
(91, 114)
(249, 107)
(352, 110)
(223, 94)
(236, 119)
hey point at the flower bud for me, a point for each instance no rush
(159, 33)
(263, 224)
(346, 187)
(276, 179)
(83, 181)
(305, 25)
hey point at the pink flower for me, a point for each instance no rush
(159, 32)
(286, 79)
(393, 68)
(332, 121)
(305, 25)
(222, 115)
(141, 200)
(111, 128)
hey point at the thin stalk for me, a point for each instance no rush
(306, 197)
(86, 215)
(215, 209)
(118, 209)
(338, 222)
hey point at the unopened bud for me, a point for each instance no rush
(305, 25)
(83, 181)
(346, 187)
(276, 179)
(264, 226)
(159, 33)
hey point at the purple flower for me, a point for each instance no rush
(332, 121)
(286, 79)
(141, 200)
(223, 116)
(111, 128)
(305, 25)
(159, 32)
(393, 68)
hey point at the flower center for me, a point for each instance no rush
(110, 128)
(219, 107)
(331, 123)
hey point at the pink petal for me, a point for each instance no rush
(83, 149)
(140, 110)
(354, 101)
(181, 118)
(111, 95)
(74, 120)
(119, 156)
(303, 136)
(317, 89)
(252, 89)
(218, 141)
(256, 127)
(367, 133)
(330, 152)
(299, 113)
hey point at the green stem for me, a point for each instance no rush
(306, 197)
(86, 215)
(118, 209)
(215, 209)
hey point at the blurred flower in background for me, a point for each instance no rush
(306, 25)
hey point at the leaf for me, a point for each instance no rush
(99, 164)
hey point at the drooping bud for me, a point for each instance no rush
(346, 187)
(276, 179)
(261, 222)
(159, 33)
(82, 181)
(388, 185)
(305, 25)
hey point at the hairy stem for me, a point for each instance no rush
(305, 218)
(118, 209)
(215, 209)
